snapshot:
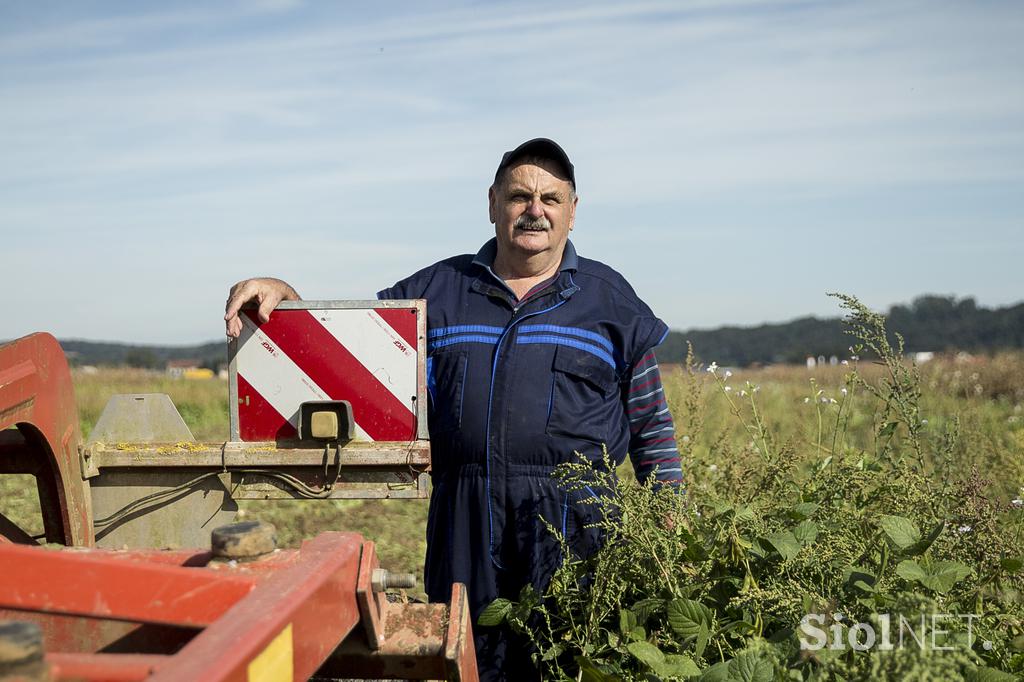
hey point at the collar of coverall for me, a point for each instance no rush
(485, 256)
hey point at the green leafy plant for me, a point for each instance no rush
(715, 583)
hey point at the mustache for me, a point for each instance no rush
(529, 223)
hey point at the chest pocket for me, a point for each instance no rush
(446, 382)
(585, 402)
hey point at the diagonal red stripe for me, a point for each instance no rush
(650, 382)
(403, 321)
(340, 374)
(257, 419)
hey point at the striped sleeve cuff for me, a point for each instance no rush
(652, 443)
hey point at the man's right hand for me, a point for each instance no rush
(266, 291)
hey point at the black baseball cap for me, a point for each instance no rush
(540, 147)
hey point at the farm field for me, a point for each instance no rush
(929, 461)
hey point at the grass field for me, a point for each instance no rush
(810, 412)
(950, 433)
(983, 395)
(862, 489)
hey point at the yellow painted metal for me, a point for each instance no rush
(276, 662)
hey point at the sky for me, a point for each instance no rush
(735, 160)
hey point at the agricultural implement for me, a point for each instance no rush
(145, 574)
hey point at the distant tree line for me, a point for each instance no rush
(212, 355)
(929, 323)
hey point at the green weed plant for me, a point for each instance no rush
(873, 514)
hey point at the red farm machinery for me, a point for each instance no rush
(142, 571)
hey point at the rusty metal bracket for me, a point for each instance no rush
(459, 648)
(373, 604)
(87, 462)
(423, 642)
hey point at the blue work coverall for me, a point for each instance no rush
(515, 388)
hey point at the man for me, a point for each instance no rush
(534, 353)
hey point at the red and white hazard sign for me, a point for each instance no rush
(369, 353)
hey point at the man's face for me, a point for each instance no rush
(533, 210)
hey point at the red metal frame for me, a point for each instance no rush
(119, 590)
(314, 596)
(37, 396)
(108, 667)
(288, 611)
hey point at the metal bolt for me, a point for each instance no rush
(21, 652)
(243, 540)
(382, 579)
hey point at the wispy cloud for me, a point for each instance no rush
(254, 122)
(271, 5)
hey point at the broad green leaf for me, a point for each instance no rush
(702, 640)
(495, 612)
(627, 621)
(1012, 564)
(553, 652)
(922, 546)
(942, 575)
(695, 550)
(722, 508)
(887, 430)
(741, 626)
(676, 665)
(646, 653)
(908, 569)
(645, 607)
(719, 672)
(939, 576)
(528, 598)
(785, 544)
(745, 513)
(685, 617)
(589, 672)
(863, 585)
(988, 675)
(804, 510)
(749, 666)
(806, 532)
(903, 532)
(860, 577)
